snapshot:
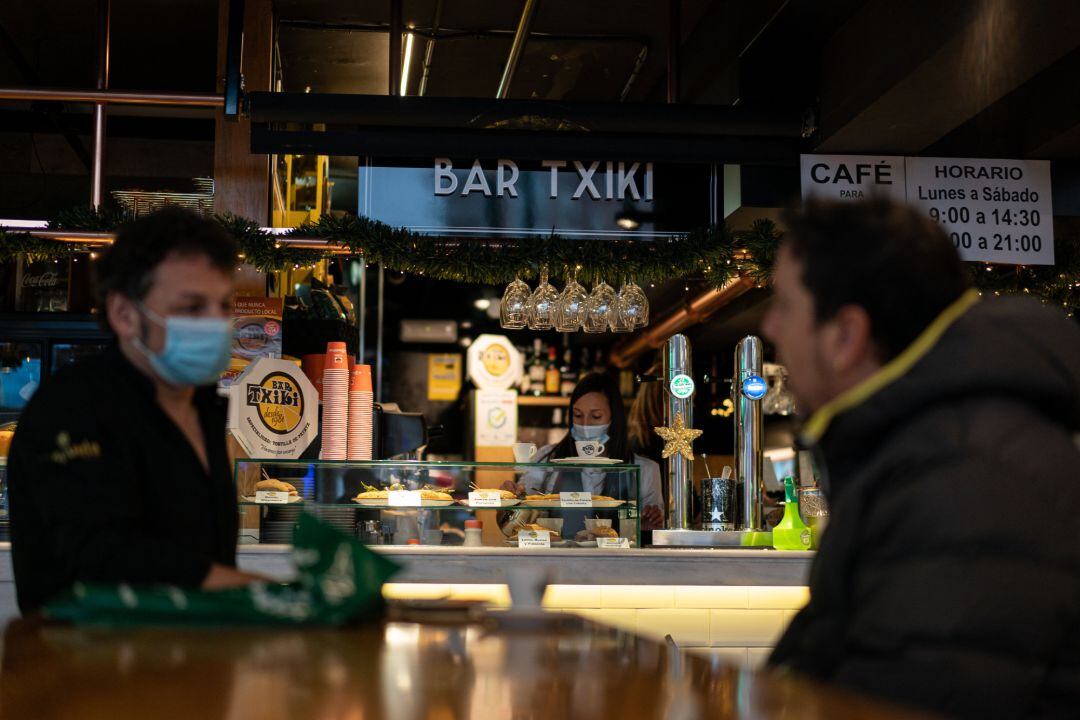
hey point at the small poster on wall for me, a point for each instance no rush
(444, 377)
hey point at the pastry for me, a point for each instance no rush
(597, 532)
(531, 526)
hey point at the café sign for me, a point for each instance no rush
(588, 198)
(994, 210)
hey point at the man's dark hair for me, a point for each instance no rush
(887, 258)
(127, 267)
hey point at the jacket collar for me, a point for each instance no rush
(889, 373)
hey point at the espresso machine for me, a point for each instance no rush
(748, 388)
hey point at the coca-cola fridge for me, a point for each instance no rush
(47, 321)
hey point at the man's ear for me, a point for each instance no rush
(122, 315)
(852, 339)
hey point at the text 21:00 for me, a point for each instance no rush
(1022, 243)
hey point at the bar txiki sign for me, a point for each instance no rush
(571, 197)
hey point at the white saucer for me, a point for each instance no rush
(587, 461)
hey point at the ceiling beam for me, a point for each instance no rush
(899, 76)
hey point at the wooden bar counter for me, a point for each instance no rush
(494, 666)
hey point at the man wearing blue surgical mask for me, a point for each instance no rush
(118, 468)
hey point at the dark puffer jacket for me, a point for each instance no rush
(949, 576)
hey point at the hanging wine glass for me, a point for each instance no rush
(635, 304)
(512, 308)
(570, 308)
(620, 320)
(541, 305)
(598, 308)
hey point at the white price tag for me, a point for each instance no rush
(534, 539)
(271, 497)
(607, 543)
(485, 498)
(575, 499)
(403, 498)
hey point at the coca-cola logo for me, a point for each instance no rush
(46, 279)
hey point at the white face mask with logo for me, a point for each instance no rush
(590, 432)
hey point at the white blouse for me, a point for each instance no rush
(541, 481)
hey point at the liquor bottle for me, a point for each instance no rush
(599, 366)
(584, 368)
(791, 533)
(626, 383)
(567, 376)
(525, 385)
(552, 379)
(536, 369)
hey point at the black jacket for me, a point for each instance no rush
(105, 488)
(949, 576)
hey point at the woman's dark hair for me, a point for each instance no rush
(616, 446)
(142, 244)
(896, 264)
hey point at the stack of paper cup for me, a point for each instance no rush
(361, 407)
(335, 403)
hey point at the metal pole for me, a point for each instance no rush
(674, 43)
(429, 49)
(112, 97)
(379, 335)
(680, 477)
(638, 64)
(98, 154)
(749, 430)
(395, 47)
(234, 61)
(516, 48)
(361, 291)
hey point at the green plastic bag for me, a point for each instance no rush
(340, 581)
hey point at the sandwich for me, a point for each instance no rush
(275, 486)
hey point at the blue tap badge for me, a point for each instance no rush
(754, 387)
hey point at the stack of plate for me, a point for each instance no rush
(342, 518)
(361, 406)
(277, 524)
(335, 402)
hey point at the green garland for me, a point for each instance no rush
(712, 255)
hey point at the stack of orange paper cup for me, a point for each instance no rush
(335, 402)
(361, 407)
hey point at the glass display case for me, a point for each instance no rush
(563, 504)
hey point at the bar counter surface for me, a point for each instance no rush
(497, 666)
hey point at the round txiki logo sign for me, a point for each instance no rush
(279, 400)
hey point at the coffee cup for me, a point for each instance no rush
(589, 448)
(524, 452)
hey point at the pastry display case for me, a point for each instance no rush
(573, 505)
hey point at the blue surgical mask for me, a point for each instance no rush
(196, 350)
(590, 432)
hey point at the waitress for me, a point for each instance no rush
(597, 413)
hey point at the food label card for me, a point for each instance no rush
(403, 498)
(534, 539)
(485, 498)
(271, 497)
(613, 543)
(575, 499)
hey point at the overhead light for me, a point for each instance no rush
(482, 303)
(407, 63)
(627, 223)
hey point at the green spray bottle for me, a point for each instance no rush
(791, 533)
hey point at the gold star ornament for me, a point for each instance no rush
(678, 438)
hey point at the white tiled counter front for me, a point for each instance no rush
(731, 605)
